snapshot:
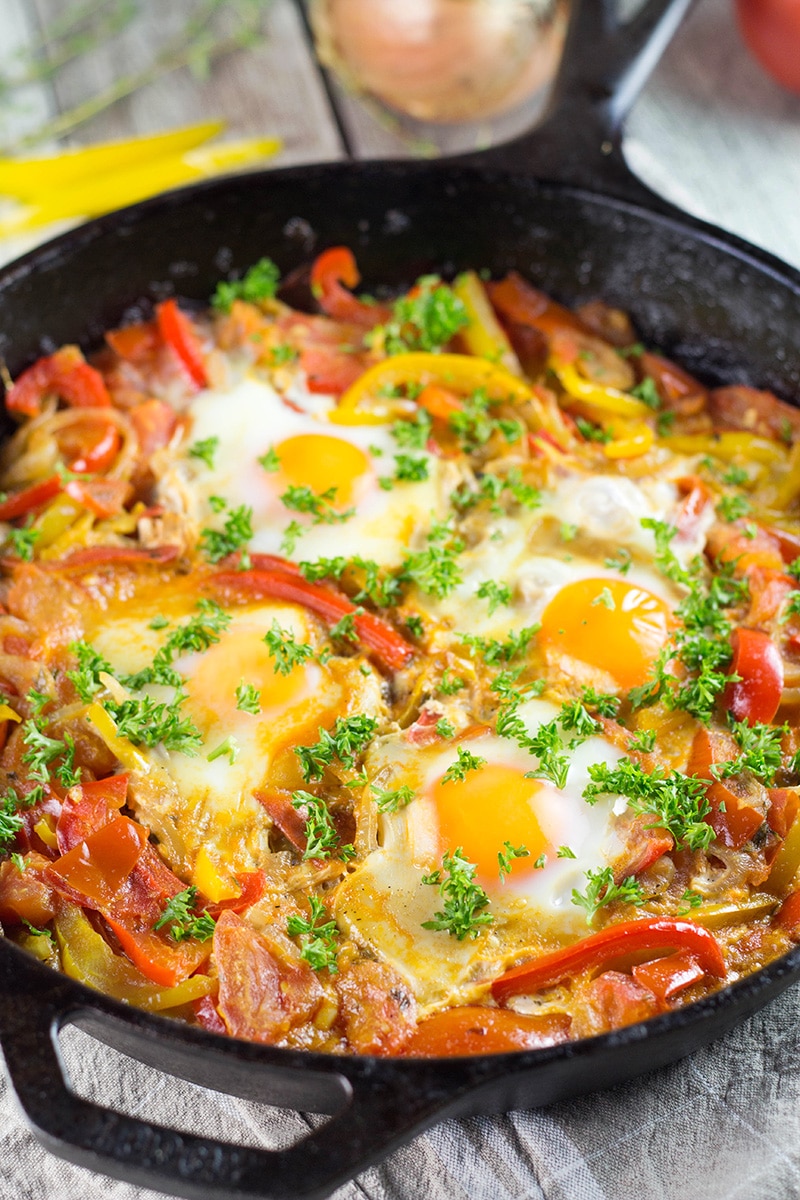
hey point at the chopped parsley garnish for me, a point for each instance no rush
(43, 750)
(145, 722)
(474, 425)
(601, 890)
(350, 737)
(413, 433)
(425, 321)
(676, 802)
(410, 468)
(735, 475)
(506, 856)
(647, 392)
(248, 698)
(467, 761)
(664, 422)
(284, 648)
(269, 460)
(389, 800)
(182, 920)
(605, 598)
(317, 937)
(731, 507)
(462, 914)
(493, 651)
(205, 450)
(621, 561)
(445, 728)
(760, 747)
(319, 505)
(592, 432)
(229, 749)
(565, 852)
(435, 569)
(22, 542)
(450, 684)
(260, 282)
(321, 836)
(496, 593)
(235, 534)
(345, 628)
(644, 741)
(194, 636)
(602, 702)
(665, 557)
(691, 900)
(10, 820)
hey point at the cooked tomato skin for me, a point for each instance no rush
(771, 29)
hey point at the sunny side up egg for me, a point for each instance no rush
(386, 903)
(207, 801)
(304, 450)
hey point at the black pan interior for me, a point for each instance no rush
(727, 312)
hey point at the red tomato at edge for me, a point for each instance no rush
(771, 29)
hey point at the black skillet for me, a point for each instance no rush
(561, 207)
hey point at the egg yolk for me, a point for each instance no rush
(609, 624)
(491, 806)
(218, 671)
(322, 462)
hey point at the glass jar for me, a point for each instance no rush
(442, 61)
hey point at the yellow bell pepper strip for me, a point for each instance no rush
(123, 750)
(722, 916)
(632, 438)
(36, 178)
(211, 882)
(786, 863)
(601, 949)
(87, 957)
(99, 194)
(606, 400)
(728, 446)
(484, 336)
(460, 373)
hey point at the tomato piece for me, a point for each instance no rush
(30, 498)
(753, 411)
(788, 915)
(87, 807)
(332, 269)
(666, 977)
(518, 301)
(379, 637)
(177, 331)
(679, 390)
(65, 374)
(90, 446)
(94, 871)
(329, 371)
(134, 342)
(205, 1011)
(284, 816)
(738, 808)
(263, 993)
(614, 1000)
(26, 895)
(697, 497)
(768, 592)
(601, 949)
(377, 1011)
(253, 885)
(440, 402)
(757, 694)
(788, 543)
(784, 805)
(476, 1030)
(103, 497)
(771, 29)
(155, 422)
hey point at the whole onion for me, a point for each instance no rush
(442, 60)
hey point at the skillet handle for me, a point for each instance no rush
(604, 66)
(376, 1117)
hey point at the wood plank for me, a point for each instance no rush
(270, 88)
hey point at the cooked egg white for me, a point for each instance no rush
(385, 902)
(347, 462)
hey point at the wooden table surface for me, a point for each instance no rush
(713, 134)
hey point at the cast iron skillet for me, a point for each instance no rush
(561, 207)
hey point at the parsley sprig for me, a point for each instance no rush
(182, 920)
(462, 914)
(321, 836)
(259, 283)
(350, 737)
(317, 937)
(601, 890)
(676, 802)
(284, 648)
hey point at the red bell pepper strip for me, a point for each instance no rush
(784, 805)
(103, 497)
(476, 1030)
(177, 331)
(134, 342)
(65, 374)
(87, 807)
(30, 498)
(330, 270)
(253, 885)
(603, 948)
(518, 301)
(757, 694)
(99, 556)
(788, 915)
(665, 977)
(284, 816)
(381, 639)
(26, 895)
(330, 371)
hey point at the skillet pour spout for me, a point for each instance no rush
(560, 206)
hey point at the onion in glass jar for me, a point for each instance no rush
(442, 60)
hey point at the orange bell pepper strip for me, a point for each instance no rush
(665, 977)
(756, 695)
(477, 1030)
(177, 331)
(733, 817)
(65, 374)
(332, 269)
(380, 638)
(603, 948)
(92, 872)
(95, 456)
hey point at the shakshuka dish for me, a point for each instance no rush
(409, 676)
